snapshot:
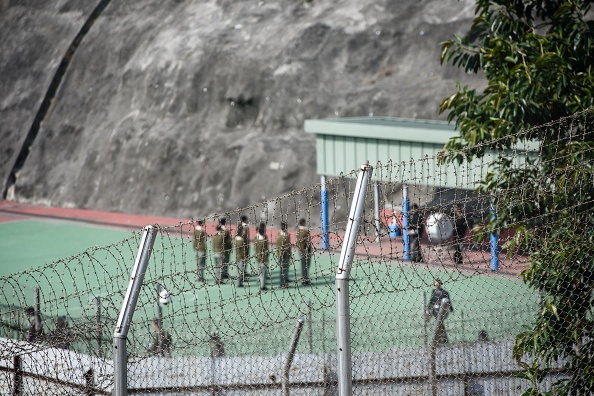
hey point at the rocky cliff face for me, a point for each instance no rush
(187, 108)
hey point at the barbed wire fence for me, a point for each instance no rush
(274, 329)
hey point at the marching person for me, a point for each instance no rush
(305, 248)
(283, 251)
(246, 237)
(218, 249)
(241, 255)
(227, 246)
(246, 229)
(262, 251)
(199, 243)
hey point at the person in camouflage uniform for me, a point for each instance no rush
(305, 250)
(245, 233)
(218, 249)
(228, 246)
(261, 250)
(283, 251)
(199, 243)
(241, 255)
(246, 237)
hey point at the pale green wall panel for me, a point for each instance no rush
(321, 156)
(417, 151)
(383, 151)
(331, 164)
(350, 154)
(411, 146)
(372, 151)
(339, 152)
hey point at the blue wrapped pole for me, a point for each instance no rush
(494, 239)
(405, 222)
(494, 244)
(324, 209)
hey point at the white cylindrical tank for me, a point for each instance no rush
(439, 227)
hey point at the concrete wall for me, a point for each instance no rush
(481, 368)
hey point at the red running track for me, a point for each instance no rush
(386, 249)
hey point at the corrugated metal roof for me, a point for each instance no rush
(385, 128)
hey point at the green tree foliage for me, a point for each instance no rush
(537, 57)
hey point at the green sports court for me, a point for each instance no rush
(74, 263)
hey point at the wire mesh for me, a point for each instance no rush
(226, 328)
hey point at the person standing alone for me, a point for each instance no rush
(415, 229)
(461, 226)
(438, 297)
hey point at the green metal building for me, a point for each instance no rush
(409, 147)
(345, 144)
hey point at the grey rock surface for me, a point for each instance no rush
(187, 108)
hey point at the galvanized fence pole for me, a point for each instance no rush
(17, 381)
(424, 313)
(405, 222)
(290, 356)
(324, 213)
(37, 303)
(343, 320)
(309, 328)
(441, 315)
(128, 306)
(376, 209)
(98, 333)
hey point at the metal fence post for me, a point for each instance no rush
(159, 317)
(89, 377)
(309, 328)
(17, 383)
(98, 333)
(120, 387)
(443, 309)
(324, 213)
(405, 222)
(37, 302)
(424, 313)
(343, 325)
(290, 356)
(376, 209)
(494, 241)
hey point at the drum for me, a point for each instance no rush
(439, 227)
